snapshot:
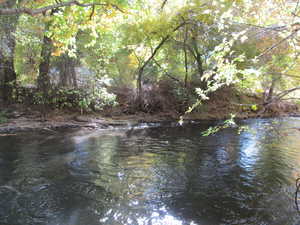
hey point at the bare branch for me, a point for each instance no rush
(166, 73)
(92, 13)
(287, 75)
(272, 28)
(280, 96)
(163, 4)
(278, 43)
(159, 46)
(287, 99)
(286, 92)
(296, 10)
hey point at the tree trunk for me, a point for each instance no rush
(43, 78)
(185, 57)
(67, 71)
(199, 64)
(141, 71)
(142, 68)
(193, 49)
(197, 57)
(139, 88)
(43, 81)
(270, 93)
(8, 26)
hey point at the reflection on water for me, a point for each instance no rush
(168, 175)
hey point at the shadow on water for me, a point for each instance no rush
(161, 175)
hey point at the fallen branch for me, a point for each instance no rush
(5, 135)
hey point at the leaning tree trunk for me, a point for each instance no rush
(139, 81)
(139, 97)
(8, 26)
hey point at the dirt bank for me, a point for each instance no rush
(19, 118)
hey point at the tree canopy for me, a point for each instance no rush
(191, 47)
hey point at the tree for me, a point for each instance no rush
(8, 10)
(195, 44)
(7, 48)
(9, 14)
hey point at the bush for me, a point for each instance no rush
(83, 99)
(165, 96)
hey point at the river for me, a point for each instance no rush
(169, 175)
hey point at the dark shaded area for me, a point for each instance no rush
(7, 47)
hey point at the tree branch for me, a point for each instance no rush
(272, 28)
(34, 12)
(286, 92)
(92, 13)
(287, 75)
(163, 4)
(141, 69)
(166, 73)
(281, 95)
(158, 47)
(278, 43)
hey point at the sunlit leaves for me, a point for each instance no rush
(217, 33)
(64, 23)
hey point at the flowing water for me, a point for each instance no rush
(167, 175)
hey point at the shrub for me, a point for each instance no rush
(83, 99)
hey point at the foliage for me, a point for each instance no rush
(92, 100)
(229, 123)
(98, 97)
(226, 124)
(202, 46)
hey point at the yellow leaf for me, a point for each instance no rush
(133, 61)
(57, 52)
(58, 44)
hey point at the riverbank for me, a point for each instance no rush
(23, 119)
(20, 119)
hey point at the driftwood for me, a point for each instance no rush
(5, 135)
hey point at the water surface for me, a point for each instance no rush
(160, 175)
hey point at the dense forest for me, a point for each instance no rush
(150, 56)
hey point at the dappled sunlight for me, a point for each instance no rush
(159, 175)
(250, 148)
(124, 72)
